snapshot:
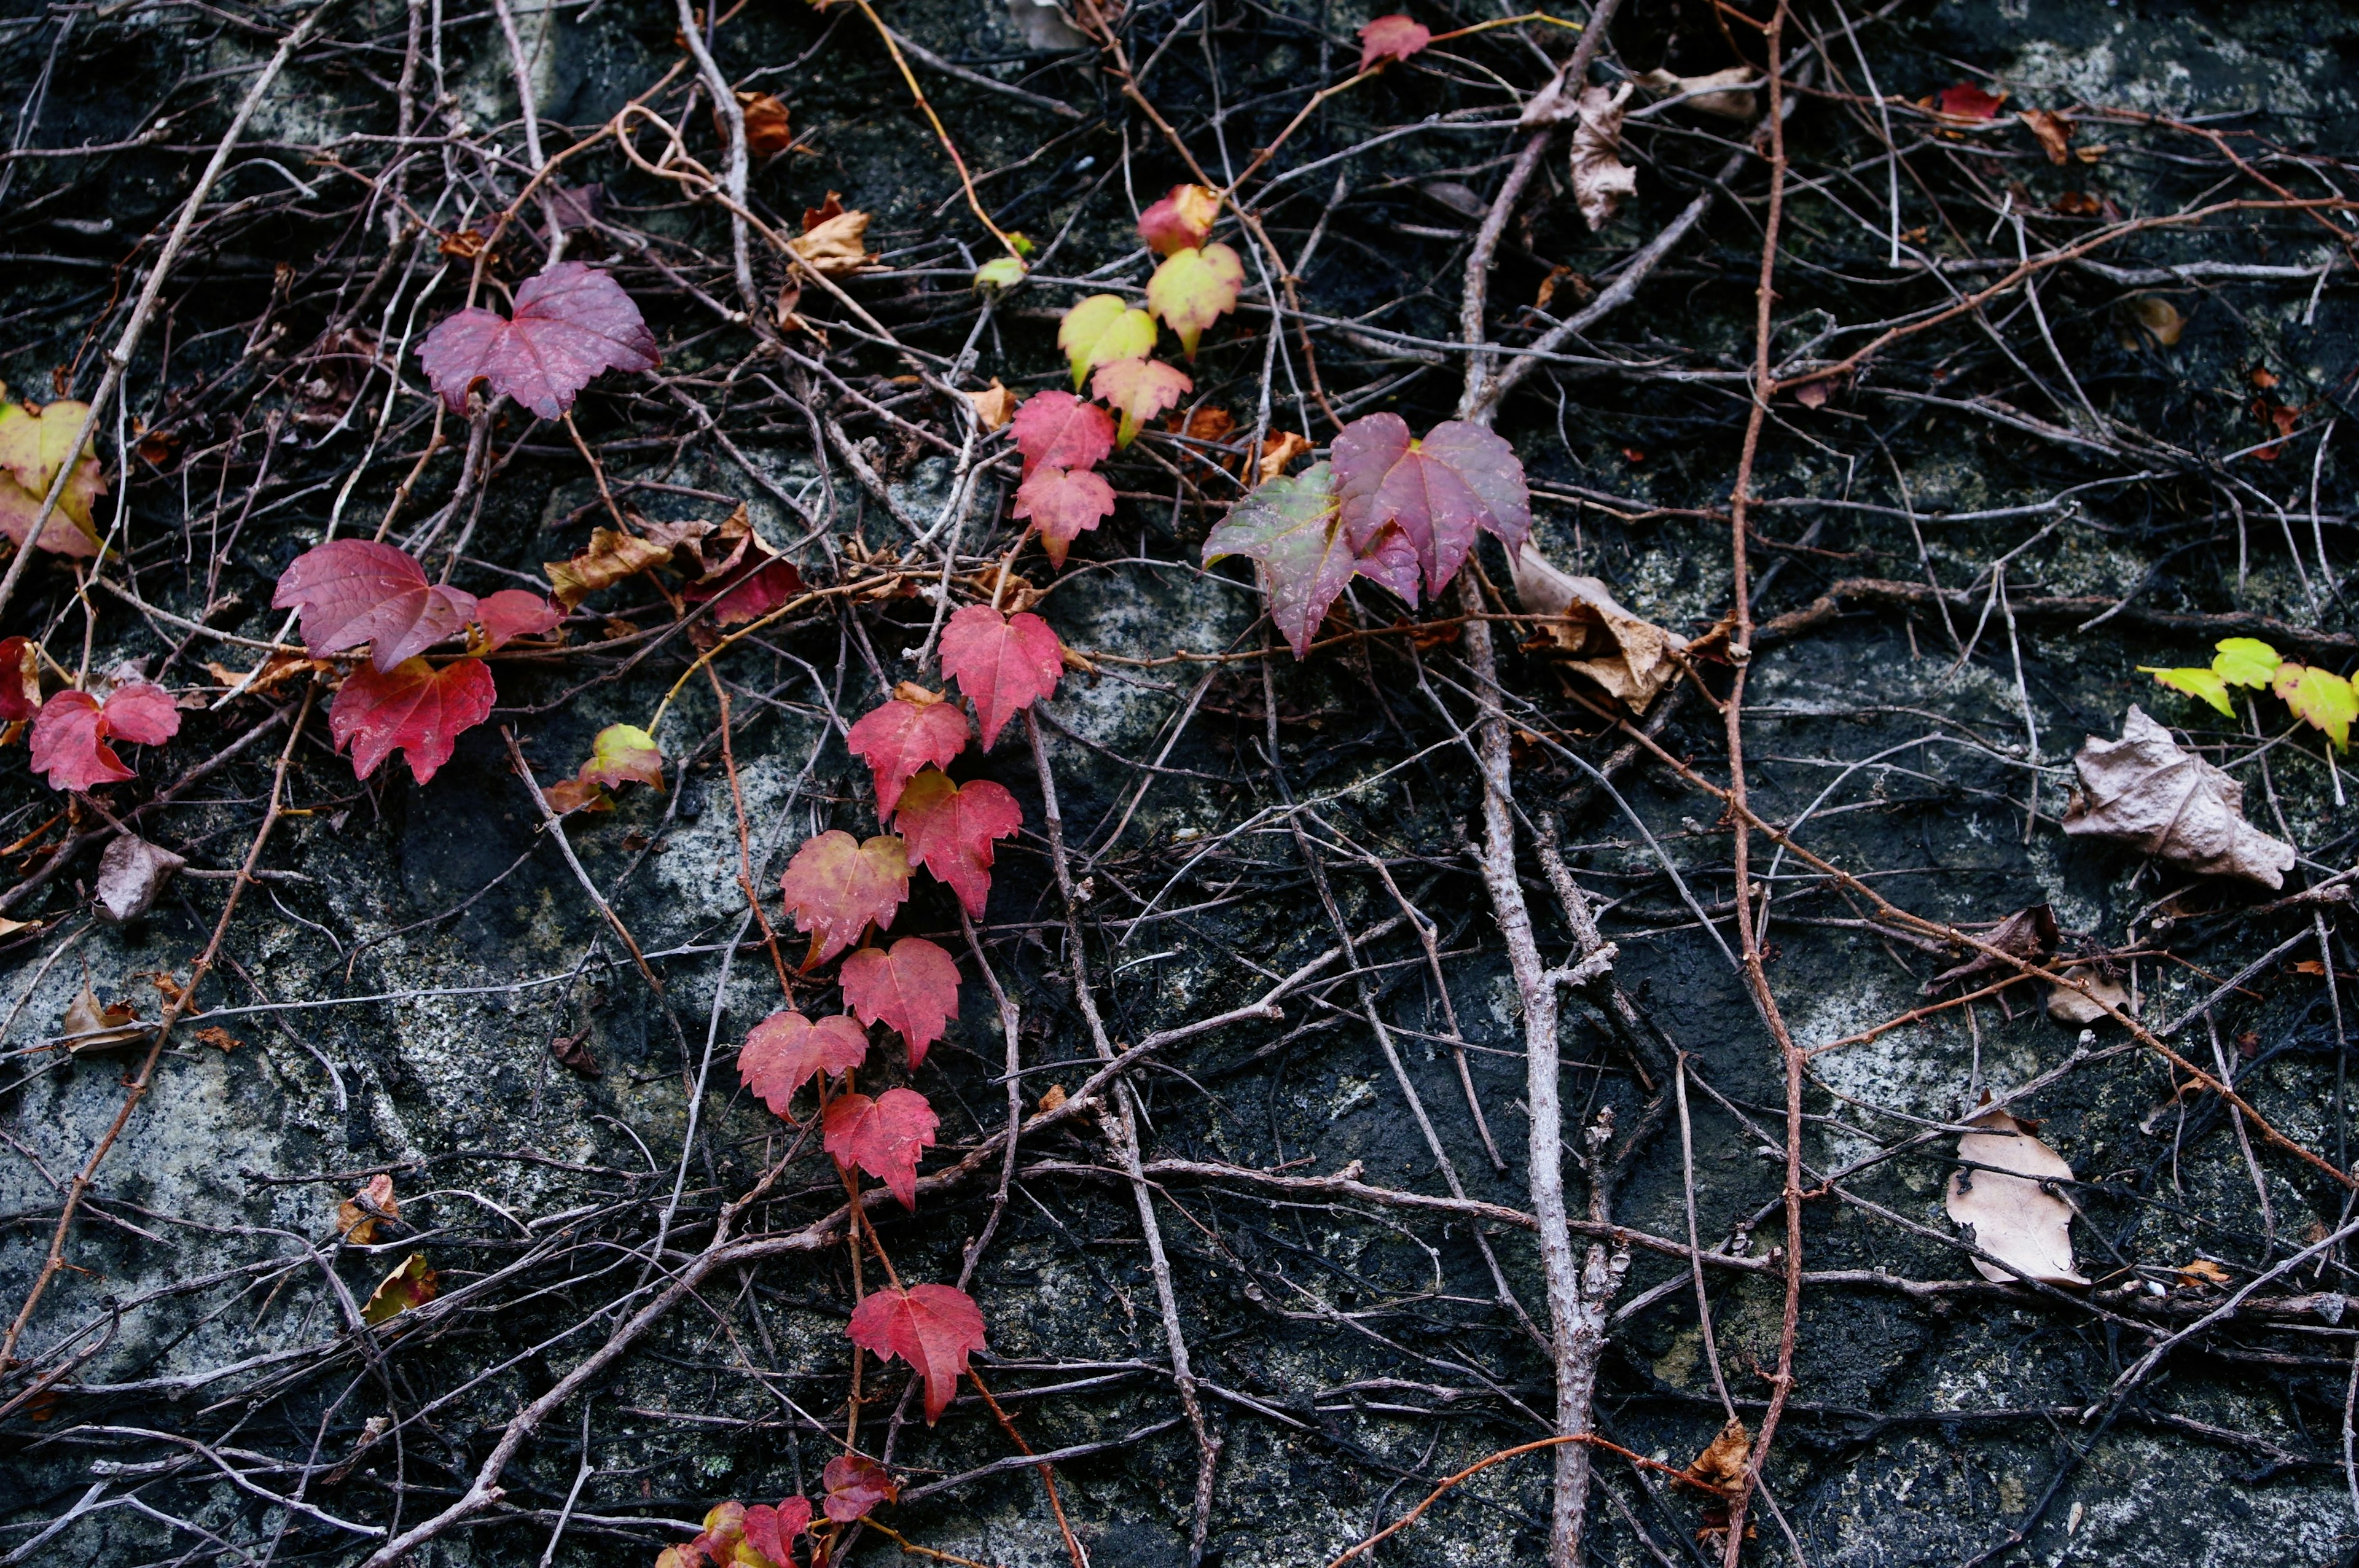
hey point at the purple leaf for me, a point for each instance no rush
(353, 591)
(571, 322)
(1439, 491)
(1288, 526)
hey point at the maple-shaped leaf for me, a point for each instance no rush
(786, 1051)
(1968, 102)
(1103, 328)
(1059, 430)
(2323, 699)
(1063, 503)
(352, 591)
(949, 829)
(20, 678)
(2245, 661)
(1002, 663)
(882, 1136)
(1180, 221)
(1439, 490)
(1291, 528)
(514, 612)
(854, 1483)
(932, 1328)
(771, 1531)
(415, 708)
(751, 593)
(1139, 390)
(571, 323)
(610, 556)
(913, 727)
(69, 737)
(2198, 681)
(34, 444)
(836, 885)
(1389, 561)
(1195, 288)
(912, 989)
(620, 755)
(1390, 38)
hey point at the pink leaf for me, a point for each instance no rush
(1139, 390)
(353, 591)
(1181, 220)
(1391, 39)
(571, 323)
(69, 737)
(772, 1531)
(932, 1328)
(142, 714)
(917, 727)
(1004, 663)
(515, 612)
(837, 886)
(913, 990)
(416, 709)
(786, 1051)
(855, 1484)
(1059, 430)
(950, 829)
(882, 1136)
(1460, 478)
(1063, 503)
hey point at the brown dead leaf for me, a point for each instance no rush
(2054, 131)
(2014, 1218)
(465, 245)
(1278, 448)
(1053, 1098)
(766, 133)
(2143, 791)
(1632, 659)
(357, 1217)
(2151, 317)
(92, 1026)
(994, 406)
(837, 247)
(274, 671)
(566, 796)
(2028, 934)
(220, 1039)
(1557, 274)
(610, 557)
(2204, 1271)
(1015, 593)
(2077, 204)
(572, 1050)
(1812, 394)
(2066, 1005)
(1601, 180)
(1728, 94)
(1721, 1465)
(830, 208)
(131, 877)
(1203, 424)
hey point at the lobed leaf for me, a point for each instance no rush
(883, 1136)
(1389, 39)
(2321, 698)
(855, 1484)
(837, 886)
(950, 827)
(1195, 288)
(1139, 390)
(912, 989)
(771, 1531)
(408, 1287)
(70, 734)
(913, 727)
(1438, 491)
(750, 593)
(34, 444)
(1182, 221)
(1063, 503)
(1004, 663)
(352, 591)
(1289, 526)
(571, 323)
(2200, 681)
(786, 1051)
(2245, 661)
(610, 556)
(514, 612)
(1102, 328)
(623, 754)
(415, 708)
(1057, 429)
(932, 1328)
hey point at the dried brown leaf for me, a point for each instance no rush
(2028, 934)
(2054, 131)
(1632, 659)
(1601, 180)
(836, 246)
(357, 1217)
(1728, 94)
(92, 1026)
(2066, 1005)
(2143, 791)
(131, 877)
(2014, 1217)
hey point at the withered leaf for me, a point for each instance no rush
(357, 1217)
(2014, 1218)
(1723, 1463)
(2066, 1005)
(1632, 659)
(2143, 791)
(410, 1286)
(131, 877)
(2028, 934)
(835, 247)
(1729, 93)
(1601, 180)
(90, 1025)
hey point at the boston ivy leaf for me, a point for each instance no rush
(913, 728)
(1002, 663)
(750, 592)
(1063, 503)
(950, 827)
(786, 1051)
(514, 612)
(1181, 222)
(1289, 526)
(415, 708)
(1966, 104)
(69, 737)
(854, 1483)
(2321, 698)
(1390, 561)
(771, 1531)
(20, 679)
(1195, 288)
(912, 989)
(352, 591)
(408, 1287)
(1059, 430)
(2198, 681)
(932, 1328)
(1439, 491)
(2245, 661)
(882, 1136)
(1390, 38)
(1103, 328)
(571, 322)
(1139, 390)
(33, 445)
(623, 754)
(837, 886)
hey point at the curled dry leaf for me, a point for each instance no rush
(835, 246)
(2014, 1218)
(1721, 1465)
(131, 877)
(357, 1217)
(2143, 791)
(1730, 93)
(90, 1025)
(766, 131)
(1601, 180)
(2066, 1005)
(1632, 659)
(2028, 934)
(1278, 448)
(2151, 316)
(994, 405)
(408, 1287)
(610, 557)
(2054, 131)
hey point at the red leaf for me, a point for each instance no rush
(1390, 38)
(913, 990)
(1004, 663)
(1439, 491)
(751, 594)
(1390, 561)
(787, 1050)
(353, 591)
(836, 885)
(916, 727)
(1139, 390)
(69, 737)
(514, 612)
(1181, 220)
(1061, 430)
(416, 709)
(772, 1531)
(950, 829)
(571, 322)
(931, 1327)
(882, 1136)
(856, 1484)
(20, 679)
(1967, 102)
(1063, 503)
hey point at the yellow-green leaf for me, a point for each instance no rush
(623, 754)
(1195, 288)
(2245, 661)
(998, 274)
(2321, 698)
(1139, 390)
(411, 1286)
(1101, 330)
(2197, 682)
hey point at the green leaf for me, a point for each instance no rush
(2245, 661)
(1101, 330)
(2321, 698)
(1192, 290)
(998, 274)
(2197, 682)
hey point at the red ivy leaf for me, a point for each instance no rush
(1967, 102)
(1181, 220)
(1289, 526)
(514, 612)
(571, 322)
(913, 989)
(772, 1531)
(1390, 38)
(1139, 390)
(836, 885)
(20, 679)
(855, 1484)
(949, 829)
(882, 1136)
(1063, 503)
(353, 591)
(916, 727)
(69, 737)
(786, 1051)
(752, 594)
(1059, 430)
(1004, 664)
(1439, 490)
(932, 1328)
(416, 709)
